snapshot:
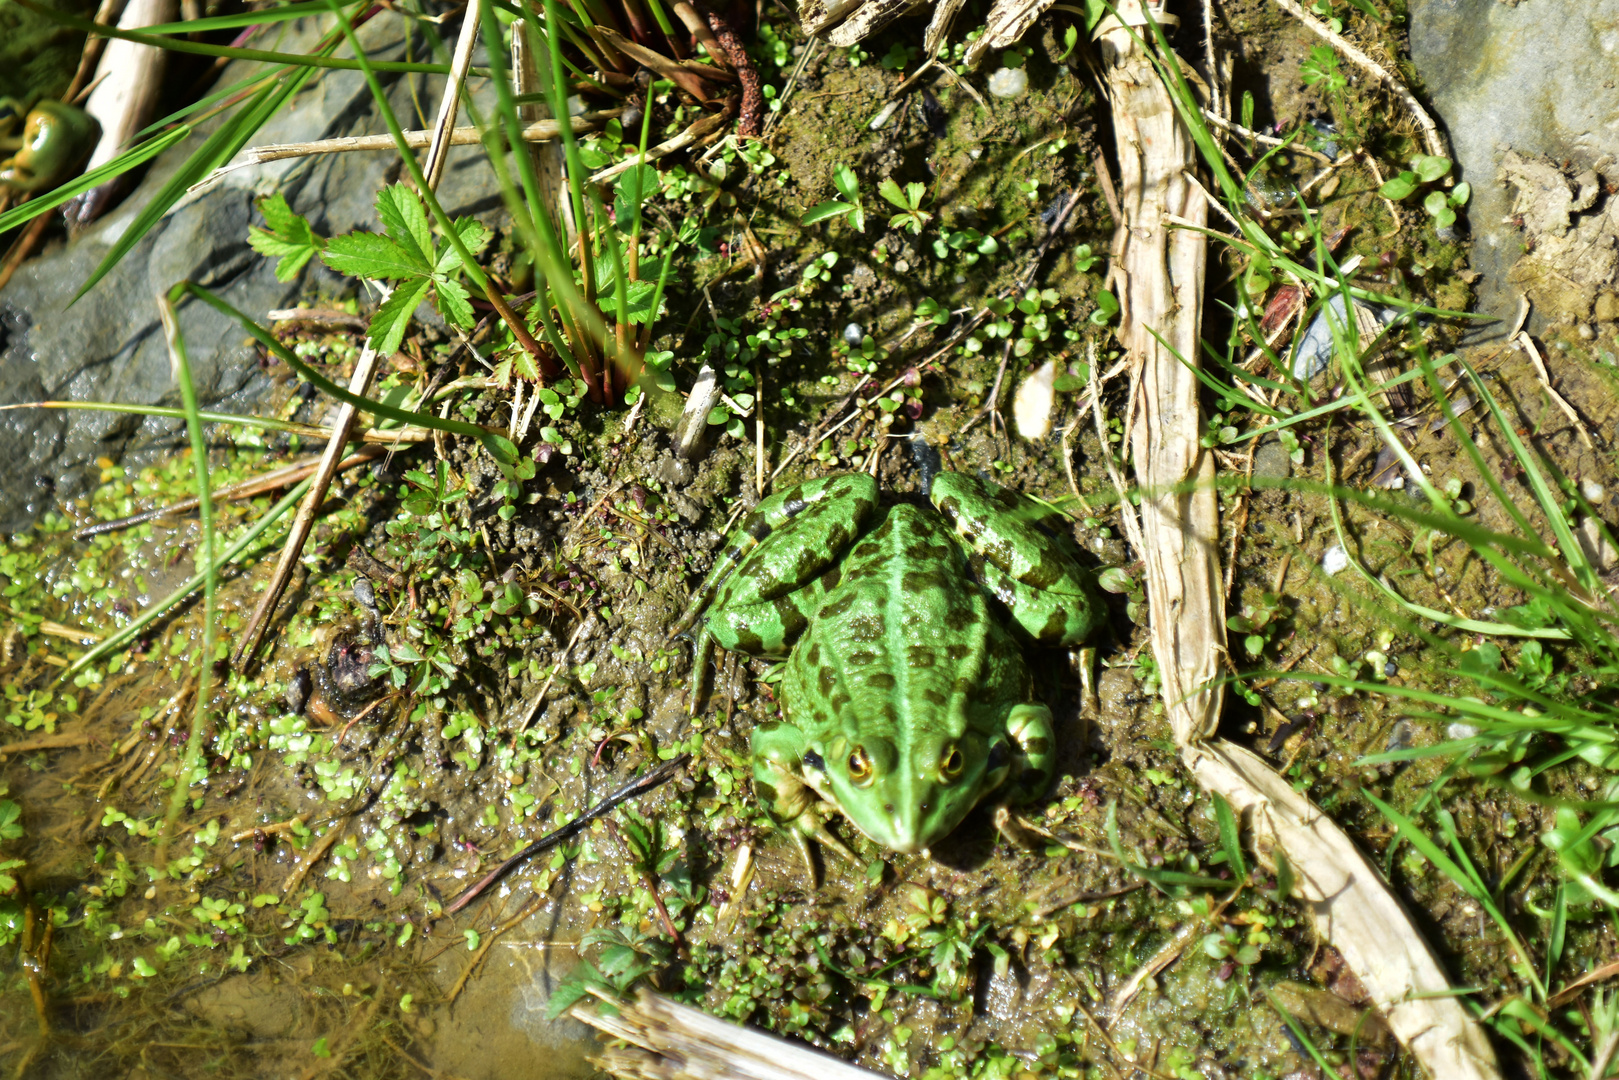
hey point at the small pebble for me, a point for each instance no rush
(1032, 404)
(854, 334)
(1592, 491)
(1459, 731)
(1009, 83)
(1334, 559)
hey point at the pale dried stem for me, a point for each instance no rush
(1527, 344)
(1265, 140)
(670, 1040)
(1160, 271)
(540, 131)
(439, 152)
(364, 370)
(1354, 910)
(1431, 137)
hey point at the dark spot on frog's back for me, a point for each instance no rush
(934, 698)
(792, 620)
(920, 656)
(957, 652)
(867, 629)
(862, 658)
(838, 607)
(958, 616)
(813, 656)
(882, 680)
(1047, 572)
(747, 641)
(826, 680)
(1052, 632)
(867, 550)
(919, 581)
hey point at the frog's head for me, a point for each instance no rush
(909, 802)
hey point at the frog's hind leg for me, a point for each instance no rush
(839, 505)
(1021, 551)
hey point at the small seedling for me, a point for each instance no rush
(848, 185)
(909, 201)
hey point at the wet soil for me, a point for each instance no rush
(293, 922)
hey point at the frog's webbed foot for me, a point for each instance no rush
(1016, 835)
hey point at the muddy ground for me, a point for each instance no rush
(294, 925)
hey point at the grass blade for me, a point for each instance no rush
(181, 365)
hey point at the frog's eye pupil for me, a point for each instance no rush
(859, 765)
(952, 764)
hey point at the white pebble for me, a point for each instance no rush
(1334, 559)
(1031, 405)
(1592, 491)
(1459, 731)
(1009, 83)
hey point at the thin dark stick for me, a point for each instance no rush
(640, 785)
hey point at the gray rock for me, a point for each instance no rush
(1271, 460)
(1538, 78)
(109, 346)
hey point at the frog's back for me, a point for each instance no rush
(904, 646)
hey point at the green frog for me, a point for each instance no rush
(905, 694)
(54, 140)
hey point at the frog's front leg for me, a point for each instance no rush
(778, 781)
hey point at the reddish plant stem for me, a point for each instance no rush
(751, 117)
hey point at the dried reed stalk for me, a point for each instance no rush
(1160, 273)
(668, 1041)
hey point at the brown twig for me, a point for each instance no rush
(640, 785)
(48, 742)
(247, 489)
(23, 247)
(364, 369)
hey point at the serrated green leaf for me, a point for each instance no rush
(453, 303)
(844, 179)
(523, 365)
(372, 255)
(217, 148)
(392, 319)
(889, 190)
(405, 221)
(288, 237)
(473, 234)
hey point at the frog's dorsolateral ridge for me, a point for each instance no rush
(906, 697)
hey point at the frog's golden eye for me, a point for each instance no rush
(859, 765)
(951, 765)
